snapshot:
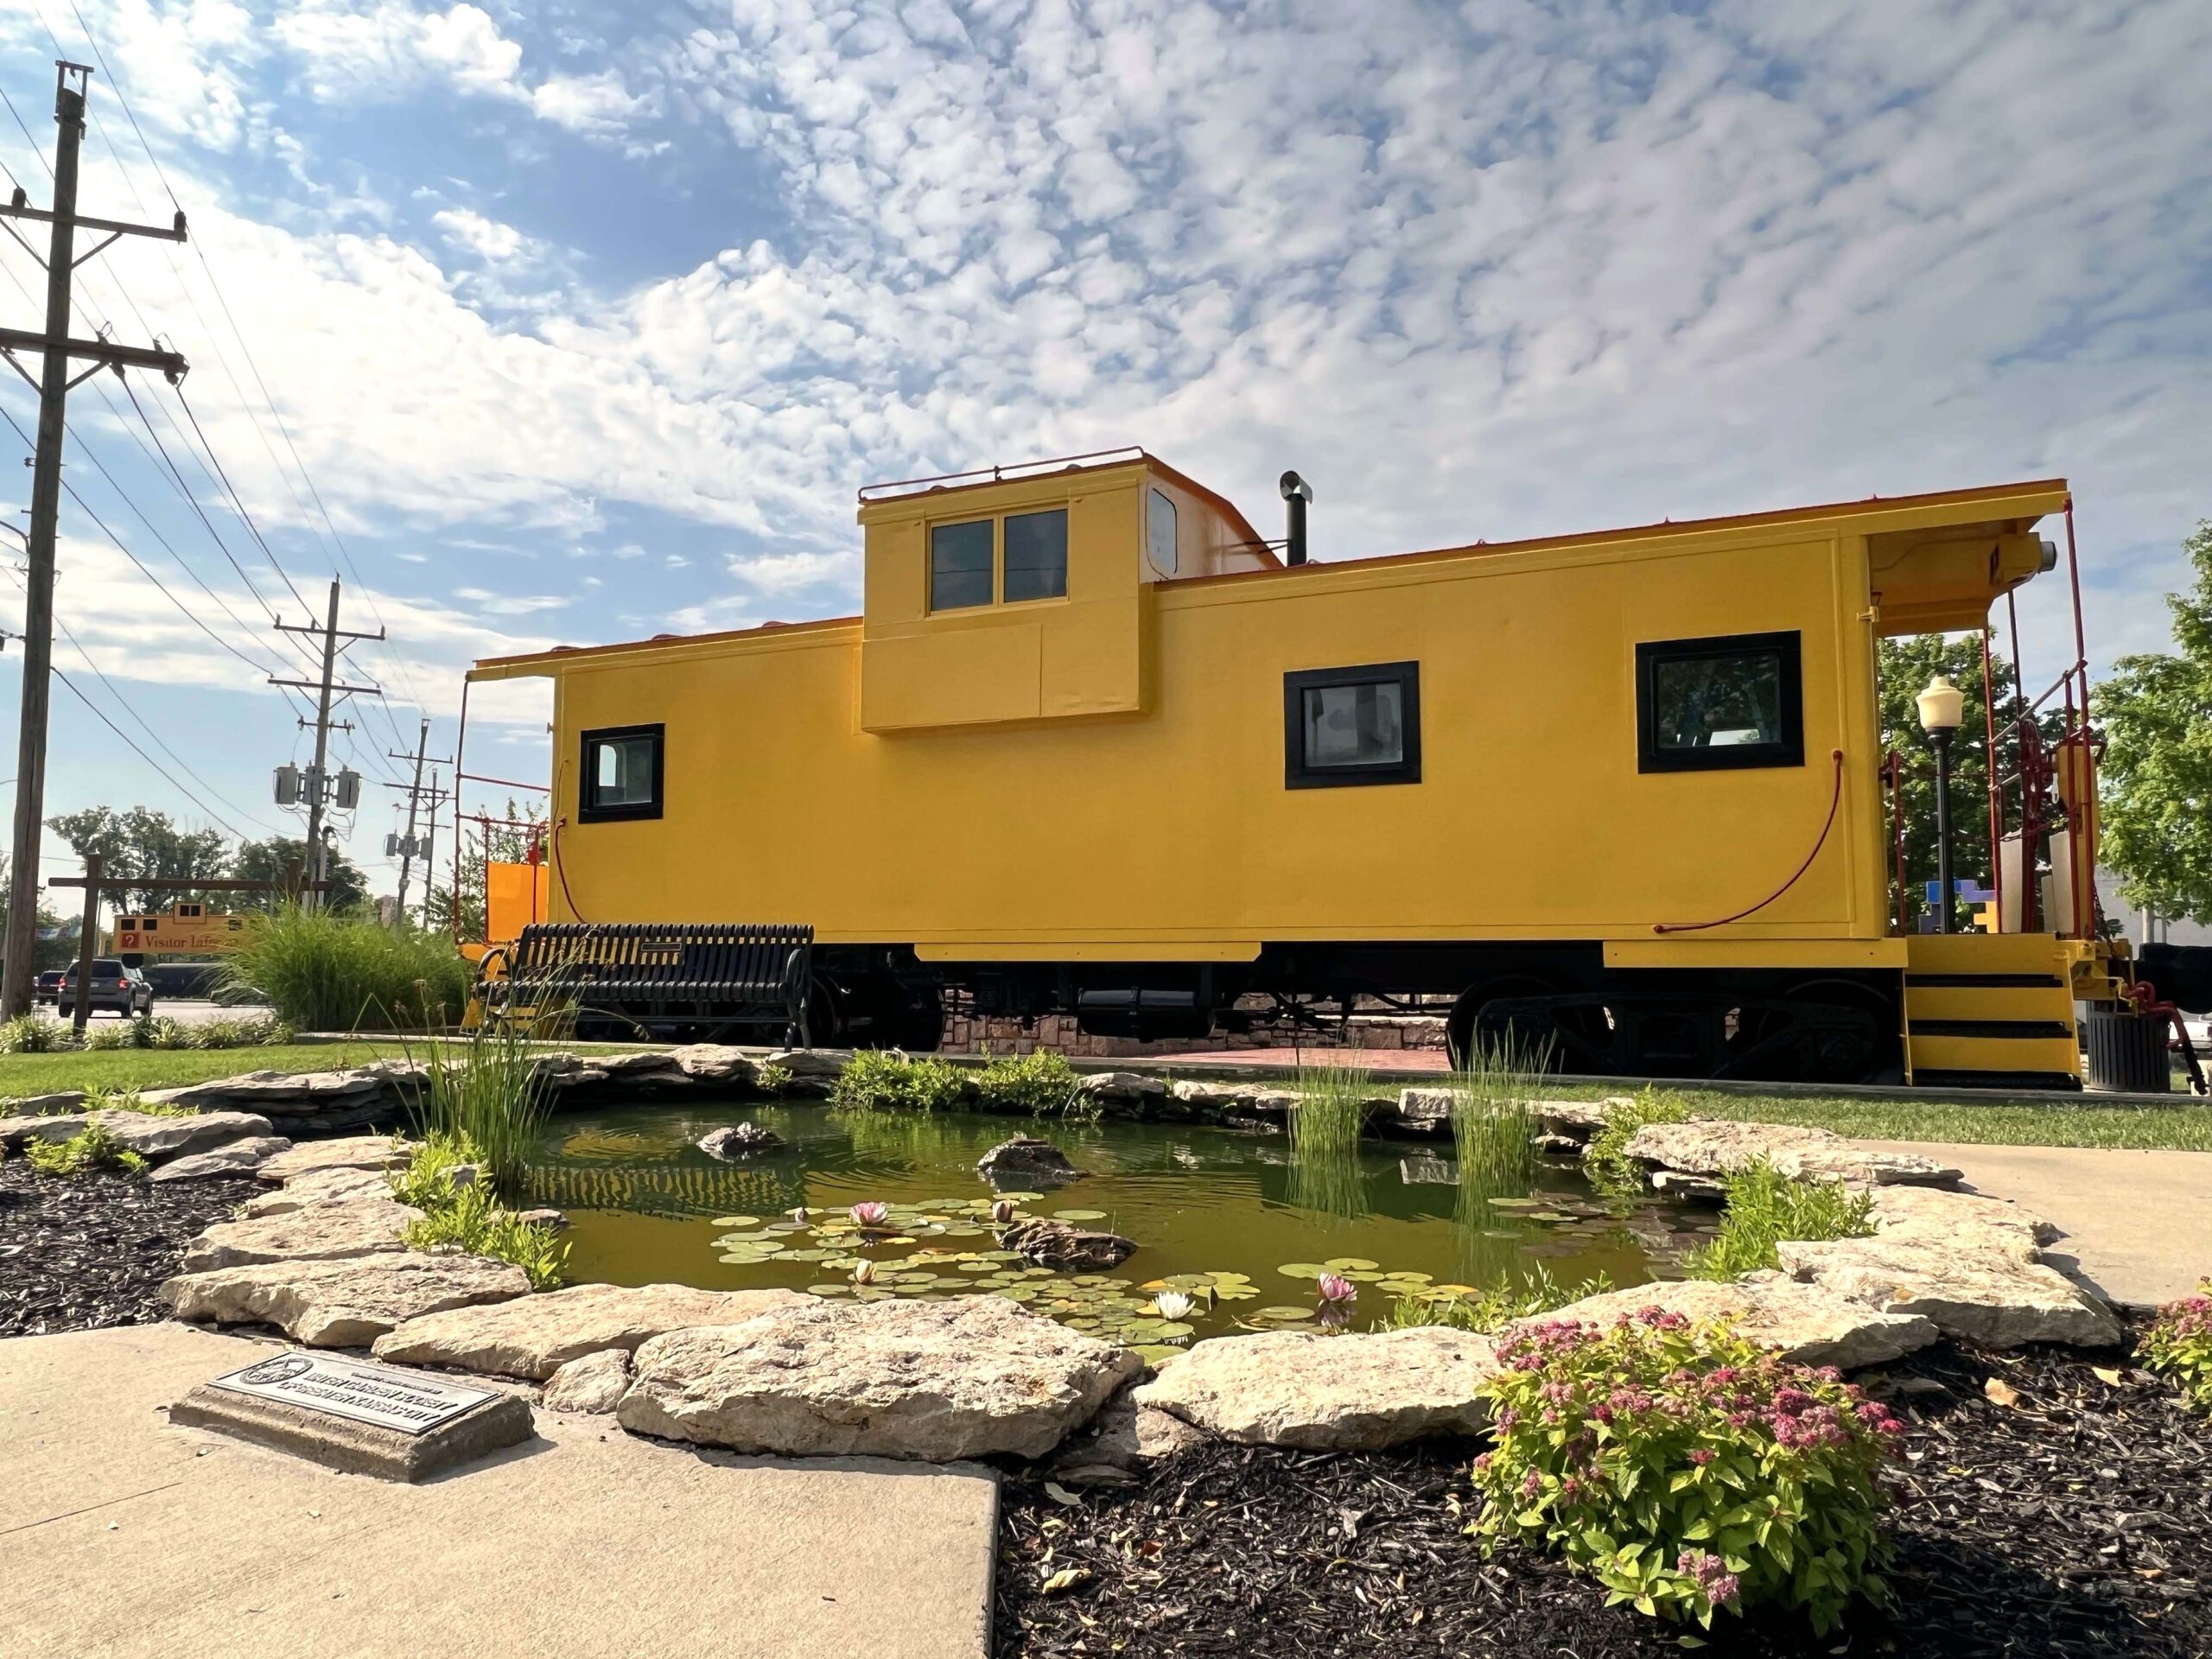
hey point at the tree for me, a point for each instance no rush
(2156, 794)
(1903, 666)
(501, 843)
(272, 861)
(56, 939)
(144, 845)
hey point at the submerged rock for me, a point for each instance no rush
(936, 1380)
(738, 1141)
(1027, 1158)
(1802, 1322)
(1330, 1393)
(1050, 1243)
(538, 1335)
(342, 1304)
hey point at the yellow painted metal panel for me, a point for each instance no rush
(2049, 1054)
(951, 679)
(1677, 951)
(1986, 953)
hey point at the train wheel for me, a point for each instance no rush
(1459, 1026)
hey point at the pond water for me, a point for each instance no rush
(1226, 1215)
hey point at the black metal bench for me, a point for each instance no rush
(704, 979)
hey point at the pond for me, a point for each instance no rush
(1229, 1218)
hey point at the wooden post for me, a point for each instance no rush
(88, 944)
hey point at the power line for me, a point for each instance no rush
(101, 716)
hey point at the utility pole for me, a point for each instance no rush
(408, 846)
(55, 349)
(319, 789)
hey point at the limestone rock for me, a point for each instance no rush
(936, 1380)
(538, 1335)
(1050, 1243)
(1330, 1393)
(1122, 1088)
(1124, 1437)
(352, 1152)
(593, 1383)
(738, 1141)
(323, 1233)
(1426, 1109)
(231, 1158)
(1962, 1221)
(713, 1063)
(1024, 1160)
(1989, 1296)
(348, 1303)
(556, 1219)
(37, 1106)
(42, 1126)
(1718, 1146)
(813, 1070)
(1681, 1184)
(1803, 1322)
(1575, 1120)
(320, 1186)
(153, 1136)
(1234, 1099)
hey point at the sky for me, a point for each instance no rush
(576, 323)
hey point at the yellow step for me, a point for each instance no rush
(2040, 1002)
(1995, 1055)
(2010, 955)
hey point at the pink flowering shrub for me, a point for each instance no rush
(2179, 1346)
(1686, 1468)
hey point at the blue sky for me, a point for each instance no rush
(585, 322)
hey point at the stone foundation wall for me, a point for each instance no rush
(966, 1035)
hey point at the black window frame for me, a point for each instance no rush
(991, 572)
(1005, 549)
(1297, 774)
(1650, 654)
(588, 811)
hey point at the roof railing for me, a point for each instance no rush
(999, 474)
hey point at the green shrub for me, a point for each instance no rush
(1041, 1084)
(122, 1033)
(469, 1219)
(2179, 1345)
(93, 1146)
(326, 971)
(490, 1094)
(1764, 1207)
(250, 1030)
(884, 1080)
(1492, 1309)
(35, 1033)
(773, 1079)
(1606, 1159)
(1687, 1469)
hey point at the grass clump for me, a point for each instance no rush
(1493, 1131)
(1765, 1207)
(1040, 1083)
(490, 1094)
(1687, 1470)
(1331, 1110)
(1606, 1159)
(469, 1219)
(774, 1080)
(93, 1146)
(33, 1033)
(425, 1180)
(1492, 1309)
(323, 970)
(2179, 1345)
(884, 1080)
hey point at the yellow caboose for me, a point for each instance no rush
(1095, 747)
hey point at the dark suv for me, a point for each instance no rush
(115, 988)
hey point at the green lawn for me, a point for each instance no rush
(146, 1068)
(2065, 1120)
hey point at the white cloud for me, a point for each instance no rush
(785, 572)
(591, 104)
(493, 604)
(486, 237)
(352, 53)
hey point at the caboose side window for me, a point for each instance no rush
(1722, 703)
(1036, 555)
(960, 564)
(622, 774)
(1352, 726)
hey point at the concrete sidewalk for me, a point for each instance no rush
(121, 1536)
(2139, 1223)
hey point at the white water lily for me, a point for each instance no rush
(1173, 1304)
(863, 1272)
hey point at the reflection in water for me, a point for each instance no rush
(647, 1206)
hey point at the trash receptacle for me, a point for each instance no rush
(2127, 1051)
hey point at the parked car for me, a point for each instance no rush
(46, 986)
(115, 988)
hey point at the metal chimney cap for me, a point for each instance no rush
(1295, 488)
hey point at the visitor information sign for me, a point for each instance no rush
(406, 1400)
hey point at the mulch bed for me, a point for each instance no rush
(81, 1252)
(2076, 1522)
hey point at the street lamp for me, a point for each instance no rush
(1942, 705)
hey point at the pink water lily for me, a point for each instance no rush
(1337, 1290)
(870, 1214)
(1002, 1211)
(799, 1215)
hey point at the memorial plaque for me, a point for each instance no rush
(405, 1401)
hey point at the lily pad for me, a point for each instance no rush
(1079, 1215)
(1301, 1270)
(735, 1221)
(1352, 1264)
(1284, 1313)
